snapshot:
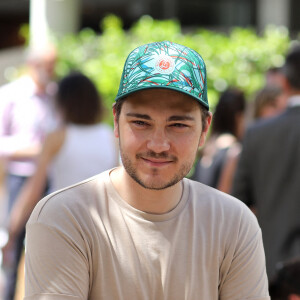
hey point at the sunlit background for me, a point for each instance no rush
(239, 39)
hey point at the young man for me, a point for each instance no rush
(143, 231)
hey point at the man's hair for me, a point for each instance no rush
(267, 96)
(286, 280)
(79, 100)
(291, 68)
(231, 102)
(204, 111)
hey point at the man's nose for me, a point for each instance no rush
(158, 142)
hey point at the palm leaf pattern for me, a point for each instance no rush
(188, 72)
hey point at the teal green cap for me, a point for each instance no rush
(165, 65)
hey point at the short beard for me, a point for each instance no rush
(183, 171)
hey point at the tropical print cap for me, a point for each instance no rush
(165, 65)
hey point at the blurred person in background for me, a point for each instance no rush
(268, 171)
(216, 165)
(26, 116)
(81, 148)
(266, 102)
(285, 285)
(274, 78)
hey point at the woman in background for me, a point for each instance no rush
(218, 157)
(82, 147)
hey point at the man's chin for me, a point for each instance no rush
(155, 178)
(155, 183)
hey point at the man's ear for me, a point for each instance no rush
(205, 129)
(293, 297)
(116, 122)
(284, 83)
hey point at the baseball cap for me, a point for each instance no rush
(165, 65)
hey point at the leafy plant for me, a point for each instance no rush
(239, 58)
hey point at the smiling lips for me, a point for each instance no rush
(156, 162)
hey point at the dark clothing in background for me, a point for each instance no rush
(214, 156)
(210, 174)
(268, 178)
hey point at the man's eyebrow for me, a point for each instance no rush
(170, 119)
(140, 116)
(181, 118)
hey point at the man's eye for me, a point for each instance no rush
(179, 125)
(140, 123)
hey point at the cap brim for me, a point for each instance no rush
(163, 87)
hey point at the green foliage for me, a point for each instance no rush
(238, 58)
(24, 33)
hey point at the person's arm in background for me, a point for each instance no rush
(19, 144)
(20, 136)
(241, 187)
(16, 139)
(32, 191)
(227, 174)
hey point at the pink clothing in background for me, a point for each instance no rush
(25, 119)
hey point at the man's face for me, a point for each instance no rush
(43, 67)
(159, 133)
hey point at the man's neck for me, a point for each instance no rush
(294, 98)
(293, 92)
(147, 200)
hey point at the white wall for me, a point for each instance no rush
(276, 12)
(52, 16)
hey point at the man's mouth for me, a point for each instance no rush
(156, 159)
(154, 162)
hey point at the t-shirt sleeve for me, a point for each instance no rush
(56, 263)
(244, 270)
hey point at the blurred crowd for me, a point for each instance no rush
(52, 135)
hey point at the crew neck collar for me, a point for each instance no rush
(115, 196)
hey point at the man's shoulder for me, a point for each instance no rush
(21, 86)
(220, 207)
(72, 201)
(273, 128)
(205, 195)
(269, 124)
(265, 124)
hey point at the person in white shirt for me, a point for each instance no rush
(26, 117)
(81, 147)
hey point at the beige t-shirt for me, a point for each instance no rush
(85, 242)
